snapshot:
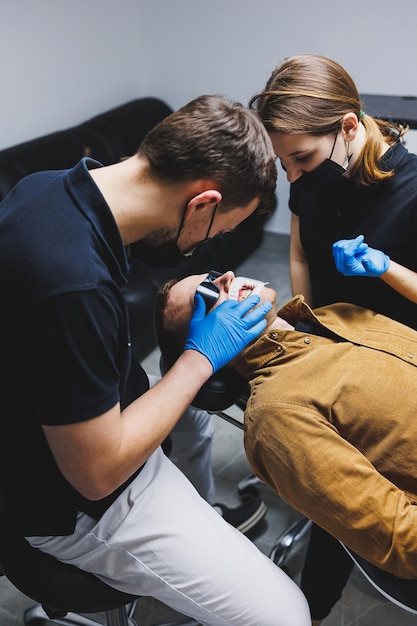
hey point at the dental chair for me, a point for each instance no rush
(399, 591)
(228, 389)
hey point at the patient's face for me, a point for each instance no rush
(181, 298)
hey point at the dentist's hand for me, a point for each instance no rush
(353, 257)
(226, 330)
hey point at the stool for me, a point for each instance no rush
(227, 388)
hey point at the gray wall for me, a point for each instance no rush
(62, 62)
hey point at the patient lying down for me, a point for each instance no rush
(322, 425)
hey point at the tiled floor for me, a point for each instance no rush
(360, 604)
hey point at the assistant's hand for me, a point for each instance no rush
(226, 330)
(353, 257)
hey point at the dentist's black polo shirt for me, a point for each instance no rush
(65, 347)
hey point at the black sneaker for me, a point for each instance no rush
(245, 516)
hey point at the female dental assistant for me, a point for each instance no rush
(353, 198)
(350, 176)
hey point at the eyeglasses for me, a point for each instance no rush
(209, 291)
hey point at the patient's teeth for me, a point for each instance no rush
(249, 285)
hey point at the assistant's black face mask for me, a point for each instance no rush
(323, 177)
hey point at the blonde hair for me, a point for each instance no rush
(310, 94)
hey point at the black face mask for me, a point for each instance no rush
(166, 254)
(323, 177)
(162, 255)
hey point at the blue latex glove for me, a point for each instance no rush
(226, 330)
(353, 257)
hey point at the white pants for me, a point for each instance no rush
(160, 538)
(192, 442)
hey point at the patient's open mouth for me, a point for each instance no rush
(242, 287)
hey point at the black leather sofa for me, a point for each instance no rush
(108, 137)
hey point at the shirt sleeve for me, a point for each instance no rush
(70, 360)
(304, 459)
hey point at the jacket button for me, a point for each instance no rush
(307, 340)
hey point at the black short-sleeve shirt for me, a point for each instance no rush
(385, 213)
(65, 345)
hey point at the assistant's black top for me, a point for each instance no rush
(385, 213)
(65, 347)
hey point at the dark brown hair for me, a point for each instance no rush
(170, 330)
(218, 139)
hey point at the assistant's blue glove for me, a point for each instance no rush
(353, 257)
(226, 330)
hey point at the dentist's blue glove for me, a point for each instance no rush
(353, 257)
(226, 330)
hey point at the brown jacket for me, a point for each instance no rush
(331, 426)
